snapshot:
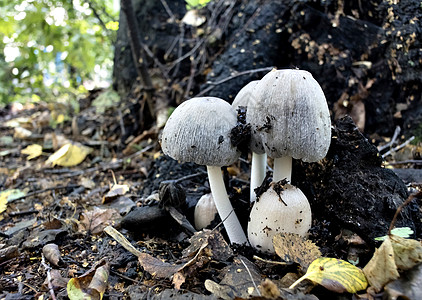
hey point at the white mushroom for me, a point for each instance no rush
(259, 160)
(205, 211)
(199, 131)
(290, 118)
(281, 209)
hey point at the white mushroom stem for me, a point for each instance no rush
(282, 168)
(259, 165)
(225, 209)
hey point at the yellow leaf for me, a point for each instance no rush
(8, 196)
(32, 151)
(3, 203)
(69, 155)
(335, 275)
(60, 118)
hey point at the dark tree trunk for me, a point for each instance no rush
(365, 54)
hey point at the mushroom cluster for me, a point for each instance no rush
(289, 118)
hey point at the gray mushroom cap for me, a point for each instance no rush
(199, 131)
(290, 116)
(245, 94)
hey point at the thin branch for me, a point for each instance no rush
(393, 140)
(49, 280)
(250, 275)
(398, 147)
(417, 195)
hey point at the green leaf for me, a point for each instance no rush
(403, 232)
(335, 275)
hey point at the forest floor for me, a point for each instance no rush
(61, 211)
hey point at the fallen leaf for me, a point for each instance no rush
(69, 155)
(57, 280)
(407, 252)
(22, 133)
(403, 232)
(52, 254)
(115, 191)
(90, 285)
(241, 279)
(97, 219)
(382, 268)
(408, 286)
(32, 151)
(294, 248)
(8, 196)
(9, 253)
(335, 275)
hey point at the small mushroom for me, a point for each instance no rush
(205, 211)
(199, 131)
(290, 118)
(281, 209)
(259, 160)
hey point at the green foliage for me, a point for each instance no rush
(192, 4)
(51, 48)
(403, 232)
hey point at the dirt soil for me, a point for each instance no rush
(351, 195)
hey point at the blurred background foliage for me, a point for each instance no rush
(55, 50)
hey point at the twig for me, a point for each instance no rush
(393, 140)
(122, 240)
(168, 10)
(48, 269)
(271, 261)
(250, 275)
(410, 161)
(398, 147)
(417, 195)
(213, 84)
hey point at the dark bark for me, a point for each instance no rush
(138, 54)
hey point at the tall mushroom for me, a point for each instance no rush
(199, 131)
(259, 159)
(290, 119)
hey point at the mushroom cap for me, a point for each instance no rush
(270, 216)
(198, 131)
(290, 116)
(205, 211)
(244, 95)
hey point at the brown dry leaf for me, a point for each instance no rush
(293, 248)
(269, 289)
(407, 252)
(178, 280)
(382, 268)
(97, 219)
(90, 285)
(156, 267)
(9, 253)
(216, 245)
(115, 191)
(241, 279)
(57, 281)
(406, 287)
(52, 254)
